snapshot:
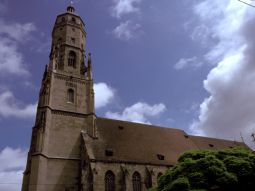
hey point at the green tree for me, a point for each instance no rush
(227, 170)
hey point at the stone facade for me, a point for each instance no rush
(74, 150)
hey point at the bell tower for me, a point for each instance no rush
(65, 108)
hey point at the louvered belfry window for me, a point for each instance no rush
(109, 181)
(70, 95)
(137, 184)
(72, 59)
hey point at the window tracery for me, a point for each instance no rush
(109, 181)
(137, 184)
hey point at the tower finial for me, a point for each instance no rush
(70, 8)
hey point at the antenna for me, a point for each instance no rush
(241, 137)
(253, 137)
(247, 3)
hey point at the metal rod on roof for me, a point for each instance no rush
(253, 136)
(247, 3)
(241, 137)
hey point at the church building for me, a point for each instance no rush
(72, 149)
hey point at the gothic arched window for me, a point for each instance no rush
(137, 184)
(70, 95)
(72, 59)
(109, 181)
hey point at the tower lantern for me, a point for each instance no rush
(71, 8)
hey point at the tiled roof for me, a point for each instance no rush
(147, 144)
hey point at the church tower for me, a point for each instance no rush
(65, 109)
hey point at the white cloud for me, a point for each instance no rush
(17, 31)
(188, 62)
(123, 7)
(230, 108)
(127, 30)
(201, 34)
(11, 107)
(103, 94)
(139, 112)
(11, 35)
(12, 165)
(11, 60)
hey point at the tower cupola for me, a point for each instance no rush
(70, 8)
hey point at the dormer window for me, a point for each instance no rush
(72, 59)
(108, 152)
(121, 127)
(211, 145)
(160, 157)
(70, 95)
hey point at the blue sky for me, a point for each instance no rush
(187, 64)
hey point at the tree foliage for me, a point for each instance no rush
(228, 170)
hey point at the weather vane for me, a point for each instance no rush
(250, 2)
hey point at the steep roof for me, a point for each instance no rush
(147, 144)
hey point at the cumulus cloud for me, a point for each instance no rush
(12, 165)
(123, 7)
(139, 112)
(17, 31)
(127, 30)
(183, 63)
(103, 94)
(11, 60)
(11, 35)
(230, 108)
(11, 107)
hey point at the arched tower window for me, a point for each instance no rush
(72, 59)
(109, 181)
(59, 40)
(137, 184)
(70, 95)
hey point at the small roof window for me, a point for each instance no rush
(160, 157)
(211, 145)
(121, 127)
(108, 152)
